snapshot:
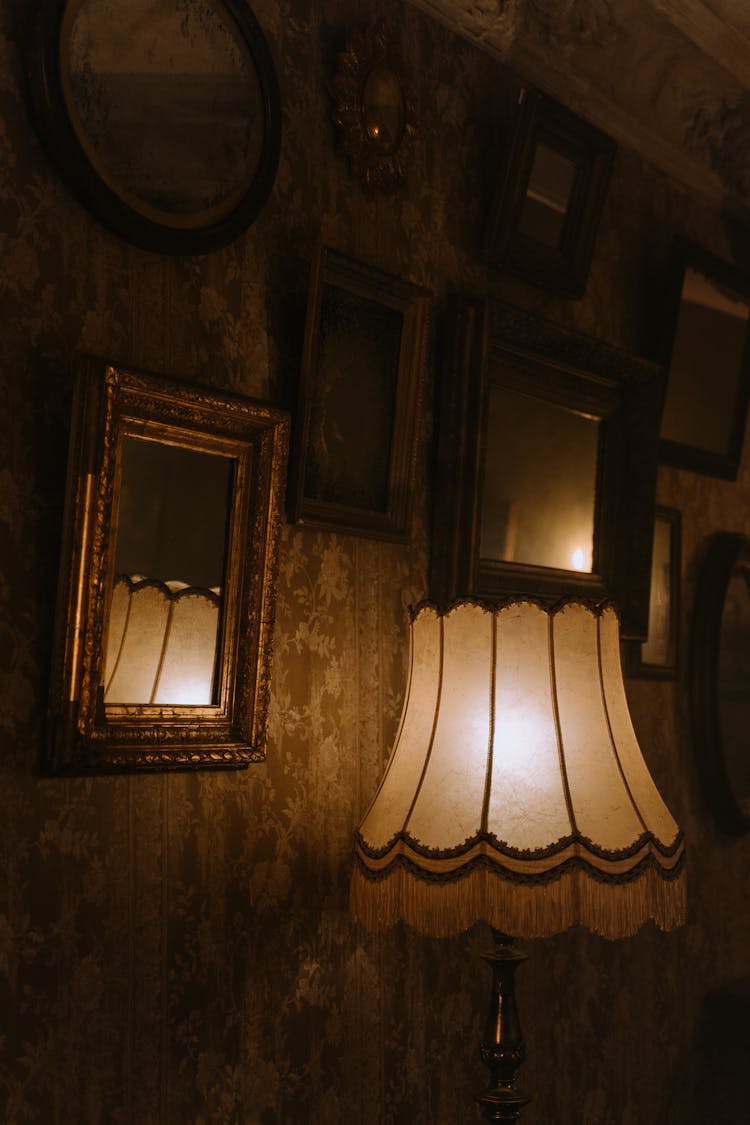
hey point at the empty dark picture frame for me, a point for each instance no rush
(708, 376)
(490, 346)
(359, 401)
(657, 657)
(548, 201)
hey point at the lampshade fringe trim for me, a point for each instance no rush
(611, 909)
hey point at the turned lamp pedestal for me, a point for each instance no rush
(502, 1045)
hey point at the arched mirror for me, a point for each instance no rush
(167, 575)
(720, 679)
(162, 116)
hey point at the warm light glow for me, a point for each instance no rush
(161, 643)
(516, 749)
(578, 559)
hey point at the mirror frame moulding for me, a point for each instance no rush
(49, 113)
(85, 735)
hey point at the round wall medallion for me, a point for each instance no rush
(372, 112)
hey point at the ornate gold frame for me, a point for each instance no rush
(85, 734)
(376, 168)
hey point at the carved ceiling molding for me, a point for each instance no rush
(723, 135)
(667, 79)
(493, 24)
(719, 28)
(564, 24)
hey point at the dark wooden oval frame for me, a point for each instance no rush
(723, 551)
(53, 123)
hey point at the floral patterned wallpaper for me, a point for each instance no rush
(177, 949)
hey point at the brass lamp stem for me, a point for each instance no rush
(502, 1046)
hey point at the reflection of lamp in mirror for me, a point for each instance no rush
(517, 795)
(161, 644)
(165, 612)
(580, 559)
(539, 482)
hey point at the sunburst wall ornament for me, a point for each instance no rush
(374, 116)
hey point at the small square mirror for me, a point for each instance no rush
(549, 195)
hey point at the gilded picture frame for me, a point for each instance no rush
(98, 721)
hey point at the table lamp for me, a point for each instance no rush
(516, 795)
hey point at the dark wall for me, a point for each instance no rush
(177, 948)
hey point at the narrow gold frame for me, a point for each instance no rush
(85, 734)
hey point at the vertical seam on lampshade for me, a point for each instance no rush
(491, 738)
(609, 724)
(438, 699)
(379, 612)
(162, 654)
(122, 641)
(558, 730)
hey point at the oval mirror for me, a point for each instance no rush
(162, 115)
(720, 679)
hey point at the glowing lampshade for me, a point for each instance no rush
(517, 793)
(161, 643)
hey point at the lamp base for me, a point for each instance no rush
(503, 1105)
(502, 1046)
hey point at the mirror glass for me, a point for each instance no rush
(657, 647)
(539, 493)
(353, 401)
(165, 100)
(383, 109)
(545, 206)
(170, 560)
(733, 695)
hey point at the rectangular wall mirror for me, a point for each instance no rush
(547, 455)
(168, 562)
(708, 379)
